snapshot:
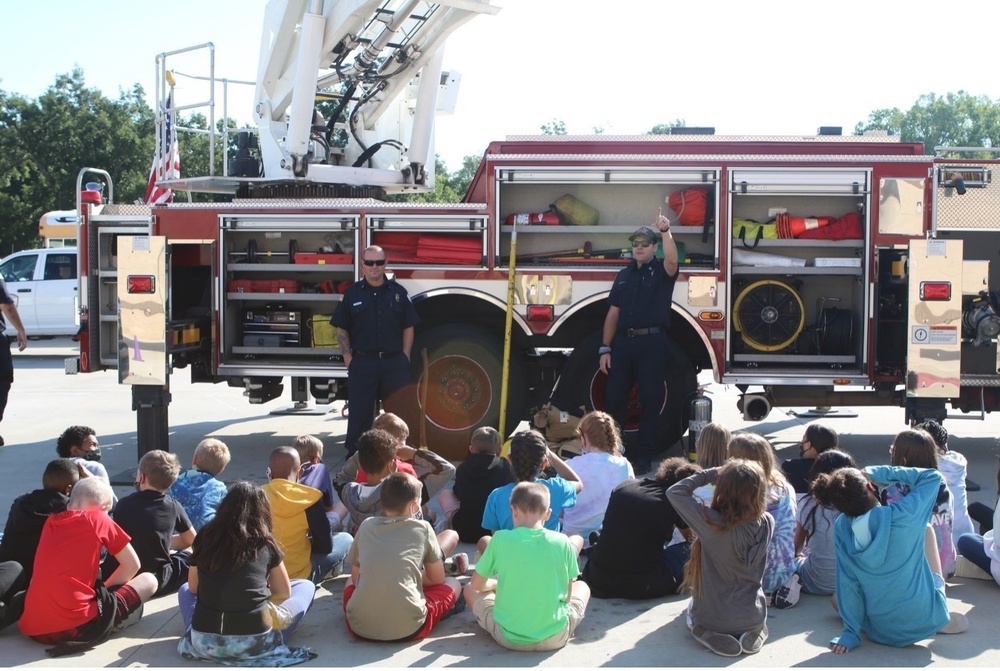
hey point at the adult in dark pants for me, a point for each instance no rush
(374, 324)
(634, 347)
(9, 310)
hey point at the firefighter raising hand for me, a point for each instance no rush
(662, 224)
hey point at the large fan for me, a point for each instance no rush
(768, 315)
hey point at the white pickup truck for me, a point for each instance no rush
(44, 286)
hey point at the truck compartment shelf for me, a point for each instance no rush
(795, 358)
(296, 297)
(290, 267)
(525, 229)
(288, 351)
(795, 270)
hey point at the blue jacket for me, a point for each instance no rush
(200, 494)
(886, 588)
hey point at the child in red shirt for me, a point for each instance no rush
(61, 606)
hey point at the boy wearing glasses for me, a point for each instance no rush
(634, 347)
(374, 324)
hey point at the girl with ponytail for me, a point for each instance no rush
(602, 467)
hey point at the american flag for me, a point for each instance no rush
(166, 164)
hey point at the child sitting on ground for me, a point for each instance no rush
(954, 468)
(817, 439)
(315, 474)
(984, 550)
(629, 560)
(728, 609)
(889, 581)
(534, 602)
(239, 606)
(79, 443)
(198, 489)
(398, 590)
(602, 467)
(67, 605)
(780, 504)
(916, 449)
(815, 558)
(529, 455)
(299, 522)
(380, 457)
(29, 512)
(160, 530)
(481, 472)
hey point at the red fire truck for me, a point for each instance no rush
(816, 271)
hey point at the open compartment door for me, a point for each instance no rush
(934, 319)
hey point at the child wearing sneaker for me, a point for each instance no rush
(815, 558)
(534, 602)
(398, 589)
(728, 609)
(780, 505)
(889, 581)
(984, 550)
(67, 605)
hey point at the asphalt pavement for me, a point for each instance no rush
(44, 401)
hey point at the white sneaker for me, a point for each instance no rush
(956, 624)
(788, 594)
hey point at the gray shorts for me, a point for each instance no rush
(483, 609)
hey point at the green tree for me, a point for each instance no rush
(460, 180)
(664, 128)
(45, 142)
(954, 119)
(554, 127)
(443, 191)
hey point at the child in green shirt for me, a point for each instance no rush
(534, 603)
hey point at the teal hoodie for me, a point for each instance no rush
(884, 584)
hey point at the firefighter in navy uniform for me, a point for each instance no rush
(374, 323)
(634, 347)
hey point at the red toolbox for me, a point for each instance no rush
(317, 258)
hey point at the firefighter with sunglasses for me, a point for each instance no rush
(634, 347)
(374, 323)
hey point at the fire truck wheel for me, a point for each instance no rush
(465, 373)
(583, 384)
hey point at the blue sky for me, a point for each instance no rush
(764, 67)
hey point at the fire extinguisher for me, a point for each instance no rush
(699, 414)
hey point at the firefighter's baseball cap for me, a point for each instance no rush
(646, 233)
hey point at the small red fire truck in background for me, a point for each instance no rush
(892, 304)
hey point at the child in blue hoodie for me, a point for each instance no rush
(889, 581)
(198, 489)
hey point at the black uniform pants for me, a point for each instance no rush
(371, 379)
(640, 360)
(6, 371)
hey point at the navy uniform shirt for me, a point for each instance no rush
(4, 299)
(375, 317)
(644, 295)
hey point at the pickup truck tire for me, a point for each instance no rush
(583, 384)
(465, 365)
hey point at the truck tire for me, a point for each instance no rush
(583, 384)
(465, 364)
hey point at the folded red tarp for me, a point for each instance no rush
(396, 241)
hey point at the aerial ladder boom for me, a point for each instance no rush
(360, 57)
